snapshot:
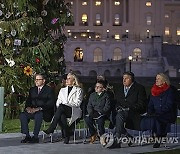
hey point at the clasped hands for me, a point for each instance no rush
(32, 110)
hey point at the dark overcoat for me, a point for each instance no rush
(136, 101)
(45, 99)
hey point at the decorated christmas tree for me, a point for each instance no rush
(31, 41)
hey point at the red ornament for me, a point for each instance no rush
(37, 60)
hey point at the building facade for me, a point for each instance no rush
(109, 37)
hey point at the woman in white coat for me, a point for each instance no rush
(68, 106)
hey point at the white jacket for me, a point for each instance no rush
(74, 100)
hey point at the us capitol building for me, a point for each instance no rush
(108, 37)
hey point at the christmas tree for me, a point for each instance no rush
(31, 41)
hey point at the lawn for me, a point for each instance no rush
(13, 125)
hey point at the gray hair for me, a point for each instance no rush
(76, 83)
(165, 78)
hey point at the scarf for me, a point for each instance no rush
(156, 91)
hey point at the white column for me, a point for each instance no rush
(110, 12)
(124, 12)
(77, 13)
(91, 13)
(105, 12)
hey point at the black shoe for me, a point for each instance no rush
(34, 140)
(27, 139)
(156, 145)
(66, 140)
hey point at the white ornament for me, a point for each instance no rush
(10, 62)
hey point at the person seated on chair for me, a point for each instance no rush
(39, 105)
(98, 109)
(162, 106)
(131, 103)
(68, 106)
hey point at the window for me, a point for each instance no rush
(84, 3)
(167, 32)
(97, 55)
(78, 55)
(117, 37)
(178, 31)
(148, 4)
(148, 20)
(84, 18)
(117, 54)
(137, 54)
(116, 19)
(71, 3)
(117, 3)
(98, 19)
(166, 15)
(98, 3)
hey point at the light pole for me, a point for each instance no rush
(147, 33)
(127, 32)
(107, 31)
(130, 59)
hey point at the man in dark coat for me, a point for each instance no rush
(131, 103)
(39, 105)
(98, 109)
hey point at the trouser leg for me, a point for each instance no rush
(90, 123)
(24, 119)
(38, 118)
(120, 121)
(101, 122)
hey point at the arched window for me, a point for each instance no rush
(107, 73)
(117, 54)
(97, 55)
(148, 19)
(78, 55)
(116, 19)
(137, 54)
(77, 72)
(98, 19)
(84, 18)
(92, 73)
(118, 72)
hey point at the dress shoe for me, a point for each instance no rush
(156, 145)
(34, 140)
(93, 138)
(26, 139)
(130, 139)
(66, 140)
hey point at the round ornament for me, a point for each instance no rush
(8, 15)
(44, 13)
(13, 32)
(37, 60)
(7, 41)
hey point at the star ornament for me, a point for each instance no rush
(28, 70)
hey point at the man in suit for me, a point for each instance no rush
(131, 103)
(39, 105)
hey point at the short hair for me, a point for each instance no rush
(102, 82)
(41, 74)
(131, 74)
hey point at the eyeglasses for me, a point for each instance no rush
(38, 79)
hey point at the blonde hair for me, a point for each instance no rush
(165, 78)
(76, 83)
